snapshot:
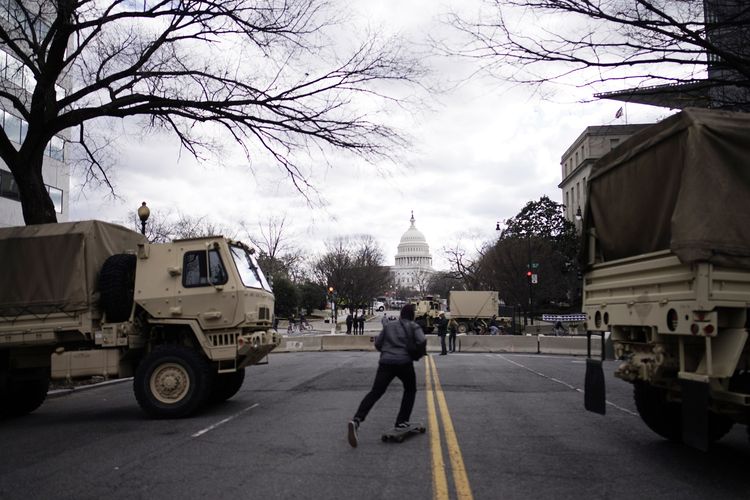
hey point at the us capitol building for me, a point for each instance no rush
(413, 266)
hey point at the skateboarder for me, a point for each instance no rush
(395, 361)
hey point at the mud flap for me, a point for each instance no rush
(595, 392)
(695, 414)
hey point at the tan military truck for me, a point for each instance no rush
(90, 298)
(668, 273)
(426, 313)
(471, 308)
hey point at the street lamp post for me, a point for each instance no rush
(529, 276)
(143, 214)
(332, 296)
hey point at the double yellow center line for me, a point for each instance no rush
(439, 479)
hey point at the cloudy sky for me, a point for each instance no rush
(479, 152)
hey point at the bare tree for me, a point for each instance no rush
(257, 70)
(584, 42)
(463, 266)
(354, 267)
(165, 227)
(277, 252)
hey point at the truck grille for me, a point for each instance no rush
(223, 339)
(264, 313)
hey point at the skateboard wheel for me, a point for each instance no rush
(384, 438)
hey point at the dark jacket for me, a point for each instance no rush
(392, 342)
(442, 326)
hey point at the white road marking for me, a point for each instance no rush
(577, 389)
(222, 422)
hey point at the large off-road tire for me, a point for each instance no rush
(172, 382)
(116, 286)
(661, 416)
(226, 385)
(21, 397)
(665, 417)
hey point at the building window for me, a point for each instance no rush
(12, 126)
(57, 198)
(8, 186)
(56, 148)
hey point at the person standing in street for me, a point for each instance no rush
(395, 362)
(362, 323)
(452, 330)
(442, 327)
(349, 322)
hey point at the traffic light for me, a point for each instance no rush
(528, 274)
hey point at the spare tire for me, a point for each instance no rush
(116, 287)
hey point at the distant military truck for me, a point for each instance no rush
(470, 308)
(426, 313)
(90, 298)
(668, 273)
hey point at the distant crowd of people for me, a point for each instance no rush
(355, 323)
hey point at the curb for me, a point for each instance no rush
(64, 392)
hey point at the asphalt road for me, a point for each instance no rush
(500, 426)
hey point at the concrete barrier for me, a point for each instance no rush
(498, 343)
(299, 343)
(571, 346)
(348, 342)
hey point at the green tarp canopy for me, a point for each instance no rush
(682, 184)
(54, 267)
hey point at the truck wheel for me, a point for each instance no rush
(226, 385)
(21, 397)
(463, 327)
(172, 382)
(661, 416)
(116, 287)
(665, 417)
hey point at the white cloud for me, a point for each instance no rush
(478, 156)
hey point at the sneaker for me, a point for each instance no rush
(352, 435)
(403, 425)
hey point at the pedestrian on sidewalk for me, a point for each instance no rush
(395, 362)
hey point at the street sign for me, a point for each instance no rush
(535, 265)
(534, 279)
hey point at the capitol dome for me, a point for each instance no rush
(413, 259)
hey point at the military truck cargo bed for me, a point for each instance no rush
(642, 291)
(53, 267)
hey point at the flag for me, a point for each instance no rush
(619, 113)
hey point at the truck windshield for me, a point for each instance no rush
(250, 273)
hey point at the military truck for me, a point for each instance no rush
(667, 224)
(91, 298)
(426, 313)
(470, 308)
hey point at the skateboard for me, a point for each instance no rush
(398, 435)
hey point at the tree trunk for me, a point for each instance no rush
(35, 200)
